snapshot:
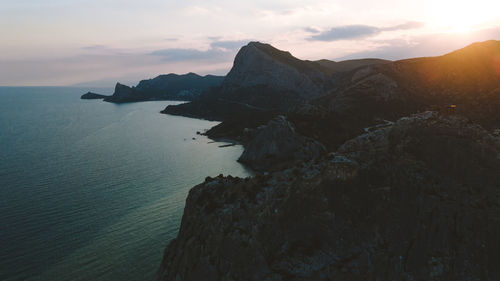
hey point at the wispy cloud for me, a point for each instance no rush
(311, 30)
(174, 55)
(219, 50)
(404, 26)
(348, 32)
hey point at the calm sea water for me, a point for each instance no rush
(94, 191)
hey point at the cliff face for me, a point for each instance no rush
(414, 200)
(165, 87)
(124, 93)
(276, 145)
(260, 64)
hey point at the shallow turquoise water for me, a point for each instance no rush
(94, 191)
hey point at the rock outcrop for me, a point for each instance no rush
(261, 65)
(92, 96)
(185, 87)
(418, 199)
(276, 145)
(124, 93)
(262, 79)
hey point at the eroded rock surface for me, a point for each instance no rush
(415, 200)
(277, 144)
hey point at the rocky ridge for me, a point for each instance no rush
(349, 95)
(185, 87)
(414, 200)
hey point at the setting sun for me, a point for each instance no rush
(462, 16)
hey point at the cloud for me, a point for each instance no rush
(95, 47)
(404, 26)
(175, 55)
(219, 50)
(347, 32)
(311, 30)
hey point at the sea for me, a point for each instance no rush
(91, 190)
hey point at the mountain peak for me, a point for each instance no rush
(279, 55)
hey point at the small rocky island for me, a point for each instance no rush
(366, 170)
(92, 96)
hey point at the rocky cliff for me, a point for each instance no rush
(261, 65)
(417, 199)
(262, 78)
(276, 144)
(165, 87)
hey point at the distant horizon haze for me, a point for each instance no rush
(73, 43)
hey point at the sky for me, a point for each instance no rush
(100, 42)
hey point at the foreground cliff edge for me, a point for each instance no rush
(417, 200)
(378, 171)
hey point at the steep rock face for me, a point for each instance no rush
(415, 200)
(262, 79)
(260, 64)
(165, 87)
(277, 144)
(124, 93)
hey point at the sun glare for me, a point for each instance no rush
(462, 16)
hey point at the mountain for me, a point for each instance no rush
(466, 82)
(366, 170)
(348, 65)
(165, 87)
(263, 78)
(263, 83)
(333, 101)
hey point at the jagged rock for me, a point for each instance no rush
(165, 87)
(92, 96)
(260, 64)
(263, 81)
(415, 200)
(124, 93)
(277, 144)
